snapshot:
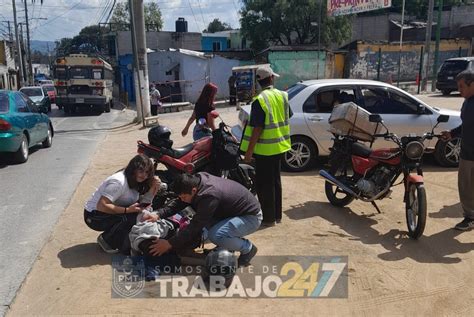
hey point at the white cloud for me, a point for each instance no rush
(67, 17)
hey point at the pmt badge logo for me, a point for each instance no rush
(128, 276)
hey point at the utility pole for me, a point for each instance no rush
(17, 40)
(22, 55)
(141, 64)
(438, 37)
(427, 45)
(319, 34)
(30, 66)
(401, 44)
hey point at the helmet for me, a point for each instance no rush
(220, 262)
(160, 136)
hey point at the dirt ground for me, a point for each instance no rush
(389, 274)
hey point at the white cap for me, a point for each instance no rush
(265, 72)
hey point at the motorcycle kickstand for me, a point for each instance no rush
(376, 207)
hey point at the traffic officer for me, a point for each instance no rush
(266, 138)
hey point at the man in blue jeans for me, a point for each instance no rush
(227, 209)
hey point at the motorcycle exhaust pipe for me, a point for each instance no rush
(337, 183)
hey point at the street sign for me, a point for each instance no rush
(344, 7)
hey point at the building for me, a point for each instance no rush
(180, 74)
(155, 41)
(230, 40)
(9, 76)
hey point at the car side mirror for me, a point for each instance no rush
(443, 118)
(375, 118)
(421, 109)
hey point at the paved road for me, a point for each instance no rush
(34, 194)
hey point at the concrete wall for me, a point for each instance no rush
(159, 41)
(294, 66)
(363, 62)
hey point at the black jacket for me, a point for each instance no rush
(466, 130)
(216, 199)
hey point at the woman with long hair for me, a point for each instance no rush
(202, 113)
(113, 207)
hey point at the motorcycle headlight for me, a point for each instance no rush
(414, 150)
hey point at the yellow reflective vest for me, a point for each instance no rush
(275, 137)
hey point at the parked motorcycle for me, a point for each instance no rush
(217, 154)
(358, 172)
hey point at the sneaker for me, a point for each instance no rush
(465, 225)
(105, 246)
(151, 274)
(244, 259)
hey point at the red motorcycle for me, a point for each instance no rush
(358, 172)
(217, 154)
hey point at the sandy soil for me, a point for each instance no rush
(389, 274)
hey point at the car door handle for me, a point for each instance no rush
(315, 118)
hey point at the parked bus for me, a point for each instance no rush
(83, 81)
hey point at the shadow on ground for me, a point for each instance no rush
(83, 255)
(437, 248)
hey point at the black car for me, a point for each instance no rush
(446, 81)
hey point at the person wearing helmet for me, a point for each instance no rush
(114, 206)
(203, 113)
(225, 208)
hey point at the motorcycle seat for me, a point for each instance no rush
(361, 150)
(181, 151)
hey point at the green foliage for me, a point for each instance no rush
(217, 26)
(120, 19)
(89, 39)
(291, 22)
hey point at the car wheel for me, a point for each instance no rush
(447, 153)
(21, 156)
(67, 110)
(49, 139)
(445, 92)
(301, 156)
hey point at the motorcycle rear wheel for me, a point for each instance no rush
(415, 210)
(332, 191)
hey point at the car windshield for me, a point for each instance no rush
(32, 92)
(294, 90)
(454, 66)
(49, 88)
(3, 102)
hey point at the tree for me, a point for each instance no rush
(89, 39)
(290, 22)
(217, 26)
(121, 17)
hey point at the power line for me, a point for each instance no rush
(58, 16)
(192, 11)
(202, 16)
(104, 11)
(110, 12)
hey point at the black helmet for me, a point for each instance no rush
(159, 136)
(220, 262)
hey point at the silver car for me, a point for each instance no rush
(312, 102)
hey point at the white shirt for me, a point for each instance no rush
(155, 96)
(116, 189)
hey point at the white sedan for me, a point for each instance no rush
(312, 102)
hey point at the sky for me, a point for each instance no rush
(65, 18)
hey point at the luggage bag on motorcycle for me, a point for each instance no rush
(225, 151)
(350, 119)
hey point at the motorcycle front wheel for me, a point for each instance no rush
(415, 209)
(336, 196)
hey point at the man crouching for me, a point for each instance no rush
(227, 209)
